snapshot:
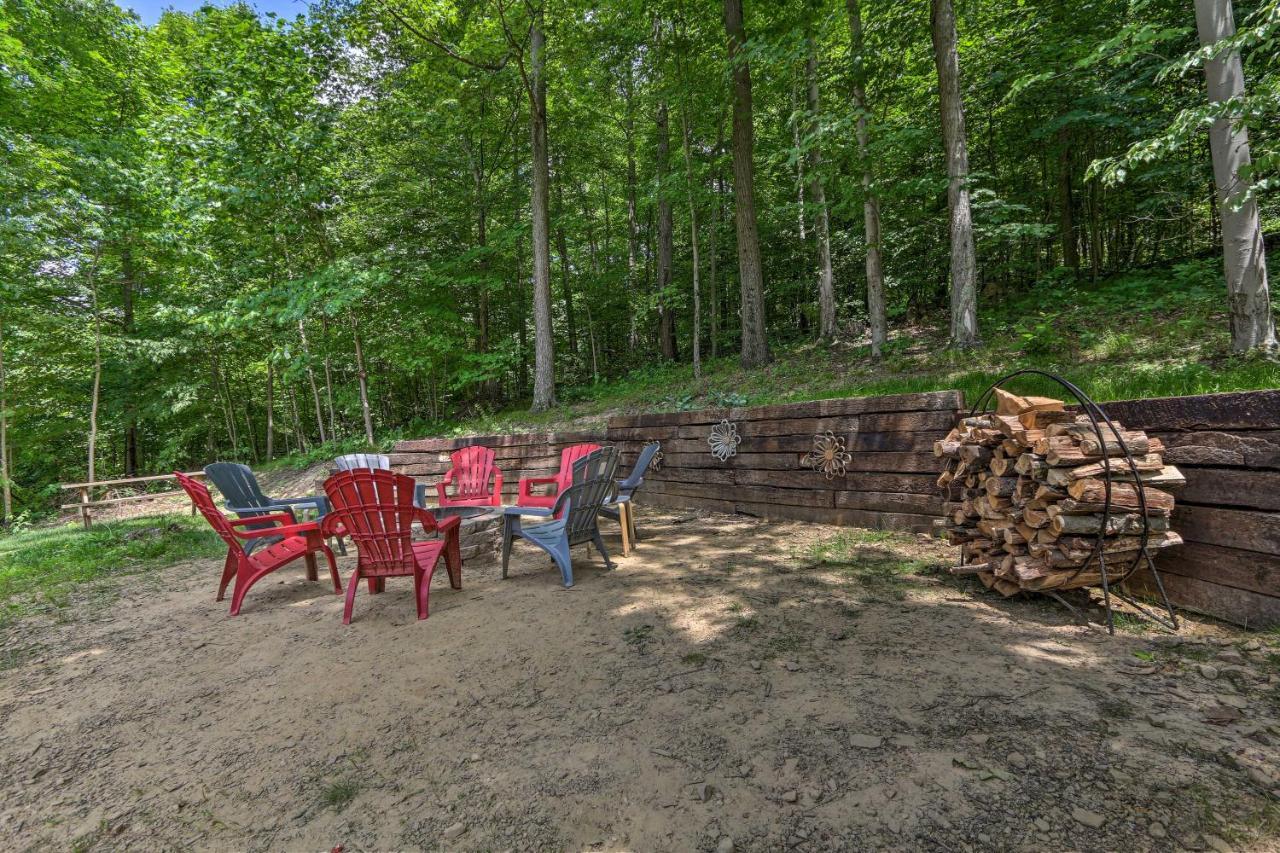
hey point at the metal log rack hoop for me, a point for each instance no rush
(1110, 586)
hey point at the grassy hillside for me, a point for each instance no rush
(1154, 333)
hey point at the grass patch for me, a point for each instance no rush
(867, 558)
(694, 659)
(338, 795)
(40, 567)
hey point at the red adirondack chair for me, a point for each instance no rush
(561, 481)
(376, 509)
(472, 470)
(296, 540)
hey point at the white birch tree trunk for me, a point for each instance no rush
(544, 381)
(818, 198)
(871, 199)
(1245, 260)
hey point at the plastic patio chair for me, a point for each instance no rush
(373, 461)
(622, 508)
(377, 462)
(476, 480)
(376, 509)
(561, 481)
(242, 495)
(292, 541)
(573, 517)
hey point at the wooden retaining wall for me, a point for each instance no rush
(1227, 445)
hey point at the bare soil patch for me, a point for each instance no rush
(735, 684)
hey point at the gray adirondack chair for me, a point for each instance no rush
(242, 495)
(622, 509)
(378, 462)
(574, 518)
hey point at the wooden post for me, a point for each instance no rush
(84, 507)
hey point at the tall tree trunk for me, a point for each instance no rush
(311, 378)
(633, 214)
(544, 379)
(562, 247)
(328, 380)
(301, 435)
(271, 411)
(964, 264)
(6, 488)
(126, 330)
(818, 198)
(97, 374)
(687, 137)
(363, 376)
(755, 344)
(1245, 260)
(1066, 204)
(223, 391)
(717, 216)
(870, 196)
(666, 238)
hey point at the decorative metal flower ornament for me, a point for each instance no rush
(724, 440)
(828, 455)
(655, 464)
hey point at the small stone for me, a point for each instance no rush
(1158, 721)
(1252, 645)
(1208, 670)
(1231, 656)
(1043, 825)
(755, 664)
(790, 797)
(455, 830)
(791, 666)
(702, 792)
(1016, 759)
(1216, 843)
(725, 845)
(1232, 701)
(866, 741)
(1157, 830)
(1093, 820)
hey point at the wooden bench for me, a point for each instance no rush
(86, 503)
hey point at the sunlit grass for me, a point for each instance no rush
(40, 567)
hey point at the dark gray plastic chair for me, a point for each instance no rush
(573, 519)
(378, 462)
(242, 495)
(622, 509)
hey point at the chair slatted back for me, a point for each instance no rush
(199, 494)
(375, 461)
(472, 472)
(591, 489)
(568, 458)
(636, 478)
(238, 485)
(376, 508)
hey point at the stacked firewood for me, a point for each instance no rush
(1026, 489)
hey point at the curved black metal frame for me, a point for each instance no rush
(1109, 586)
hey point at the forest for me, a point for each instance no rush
(232, 234)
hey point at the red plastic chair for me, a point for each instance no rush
(472, 470)
(562, 480)
(376, 509)
(299, 540)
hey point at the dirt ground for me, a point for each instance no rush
(724, 689)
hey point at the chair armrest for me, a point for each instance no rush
(315, 500)
(541, 511)
(260, 512)
(286, 530)
(331, 525)
(497, 486)
(451, 526)
(285, 518)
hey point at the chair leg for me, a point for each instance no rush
(506, 544)
(631, 523)
(351, 596)
(453, 561)
(599, 542)
(228, 572)
(333, 569)
(624, 522)
(313, 571)
(422, 590)
(563, 557)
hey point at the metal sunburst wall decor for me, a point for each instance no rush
(655, 464)
(724, 440)
(828, 455)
